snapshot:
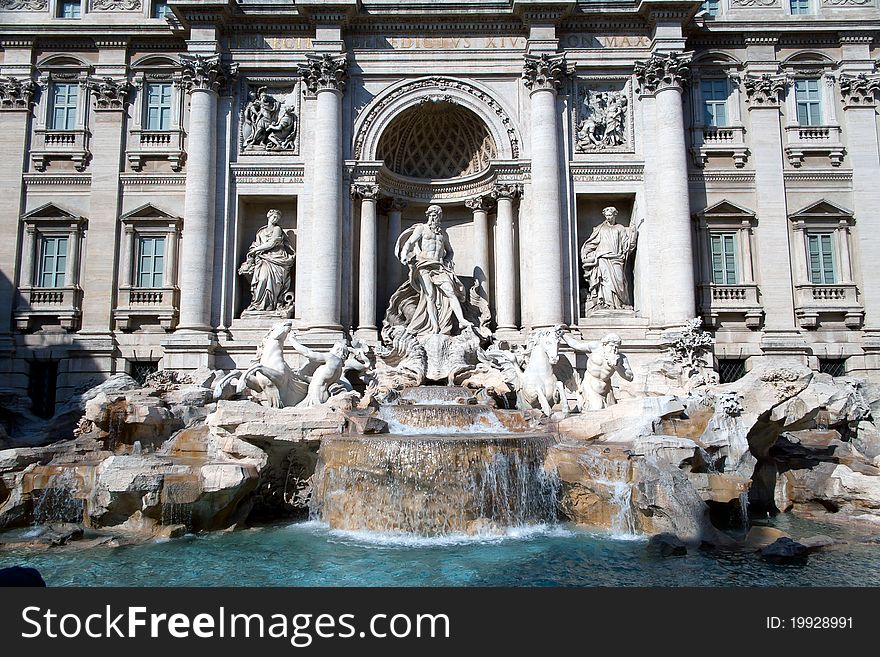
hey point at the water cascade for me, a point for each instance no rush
(446, 468)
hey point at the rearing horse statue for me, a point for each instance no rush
(530, 371)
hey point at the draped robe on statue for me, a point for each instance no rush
(410, 301)
(604, 257)
(270, 260)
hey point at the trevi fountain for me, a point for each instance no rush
(444, 454)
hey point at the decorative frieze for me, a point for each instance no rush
(859, 90)
(848, 3)
(163, 179)
(205, 72)
(109, 94)
(16, 93)
(116, 5)
(272, 175)
(661, 72)
(545, 72)
(605, 173)
(53, 179)
(324, 72)
(754, 3)
(764, 90)
(24, 5)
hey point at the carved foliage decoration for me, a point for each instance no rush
(509, 190)
(545, 71)
(324, 72)
(270, 120)
(849, 3)
(662, 72)
(205, 72)
(361, 191)
(859, 89)
(763, 90)
(109, 94)
(16, 94)
(754, 3)
(601, 121)
(116, 5)
(24, 5)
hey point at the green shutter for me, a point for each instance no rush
(827, 260)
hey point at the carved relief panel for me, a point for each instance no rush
(269, 117)
(602, 115)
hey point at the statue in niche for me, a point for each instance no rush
(433, 298)
(604, 360)
(604, 257)
(267, 123)
(604, 125)
(269, 265)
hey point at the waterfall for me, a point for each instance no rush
(177, 502)
(430, 486)
(623, 523)
(442, 418)
(56, 502)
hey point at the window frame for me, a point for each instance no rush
(734, 254)
(60, 6)
(809, 9)
(141, 239)
(43, 240)
(52, 121)
(705, 103)
(808, 103)
(822, 254)
(164, 125)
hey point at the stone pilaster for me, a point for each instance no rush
(16, 101)
(480, 206)
(545, 75)
(661, 80)
(781, 338)
(859, 93)
(368, 279)
(325, 76)
(505, 257)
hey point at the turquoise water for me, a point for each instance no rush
(309, 554)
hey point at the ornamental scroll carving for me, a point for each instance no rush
(545, 72)
(24, 5)
(662, 72)
(116, 5)
(205, 72)
(270, 121)
(324, 72)
(859, 90)
(848, 3)
(16, 94)
(754, 3)
(763, 90)
(602, 119)
(109, 94)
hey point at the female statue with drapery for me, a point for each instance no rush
(269, 265)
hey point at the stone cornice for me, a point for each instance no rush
(16, 94)
(205, 72)
(545, 71)
(324, 72)
(660, 72)
(764, 90)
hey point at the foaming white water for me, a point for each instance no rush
(486, 422)
(400, 539)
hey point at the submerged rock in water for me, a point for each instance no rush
(785, 550)
(667, 545)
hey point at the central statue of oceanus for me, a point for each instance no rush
(433, 300)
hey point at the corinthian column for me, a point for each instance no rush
(325, 77)
(505, 263)
(544, 75)
(367, 262)
(661, 80)
(202, 77)
(480, 206)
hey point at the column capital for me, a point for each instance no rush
(109, 93)
(365, 192)
(507, 190)
(545, 71)
(205, 72)
(859, 90)
(660, 72)
(16, 94)
(763, 90)
(324, 72)
(482, 203)
(393, 204)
